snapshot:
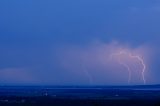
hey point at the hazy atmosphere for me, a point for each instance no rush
(79, 42)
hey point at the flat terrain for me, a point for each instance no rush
(80, 96)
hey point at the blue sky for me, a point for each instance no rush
(32, 30)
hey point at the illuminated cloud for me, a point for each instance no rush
(93, 62)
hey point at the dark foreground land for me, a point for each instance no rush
(80, 96)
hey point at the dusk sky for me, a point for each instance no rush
(71, 42)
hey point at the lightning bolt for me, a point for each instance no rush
(88, 75)
(124, 64)
(143, 64)
(127, 67)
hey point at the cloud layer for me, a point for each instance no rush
(93, 64)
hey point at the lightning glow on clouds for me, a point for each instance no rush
(131, 56)
(100, 70)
